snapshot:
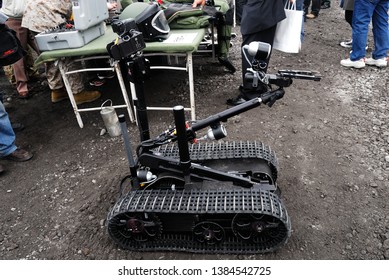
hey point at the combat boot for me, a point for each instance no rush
(86, 96)
(58, 95)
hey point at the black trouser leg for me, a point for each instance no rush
(348, 16)
(266, 36)
(306, 6)
(316, 7)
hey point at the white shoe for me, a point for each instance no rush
(347, 44)
(356, 64)
(381, 62)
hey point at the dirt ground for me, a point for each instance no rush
(331, 138)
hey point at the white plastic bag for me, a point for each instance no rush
(287, 37)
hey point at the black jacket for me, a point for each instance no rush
(259, 15)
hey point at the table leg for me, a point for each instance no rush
(70, 93)
(124, 92)
(191, 86)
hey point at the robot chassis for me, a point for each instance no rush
(184, 195)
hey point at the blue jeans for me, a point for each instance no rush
(7, 135)
(377, 12)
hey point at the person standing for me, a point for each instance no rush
(258, 23)
(40, 16)
(14, 10)
(365, 11)
(8, 149)
(315, 8)
(348, 7)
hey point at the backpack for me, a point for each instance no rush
(10, 48)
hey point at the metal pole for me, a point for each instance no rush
(127, 145)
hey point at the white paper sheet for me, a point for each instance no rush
(180, 38)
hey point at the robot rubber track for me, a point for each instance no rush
(205, 217)
(220, 198)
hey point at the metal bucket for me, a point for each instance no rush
(110, 119)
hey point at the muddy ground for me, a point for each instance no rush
(331, 138)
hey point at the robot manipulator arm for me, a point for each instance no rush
(260, 52)
(255, 77)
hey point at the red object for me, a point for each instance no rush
(8, 52)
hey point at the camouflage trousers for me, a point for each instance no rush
(54, 78)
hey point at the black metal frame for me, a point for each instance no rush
(184, 133)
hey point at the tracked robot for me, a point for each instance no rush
(197, 194)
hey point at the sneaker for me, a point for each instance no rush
(349, 44)
(19, 155)
(325, 6)
(106, 75)
(381, 62)
(310, 16)
(86, 96)
(346, 44)
(356, 64)
(58, 95)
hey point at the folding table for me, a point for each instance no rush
(182, 42)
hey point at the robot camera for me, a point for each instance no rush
(130, 40)
(124, 27)
(259, 50)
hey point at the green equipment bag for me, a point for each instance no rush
(184, 16)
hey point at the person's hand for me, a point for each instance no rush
(112, 6)
(198, 2)
(292, 1)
